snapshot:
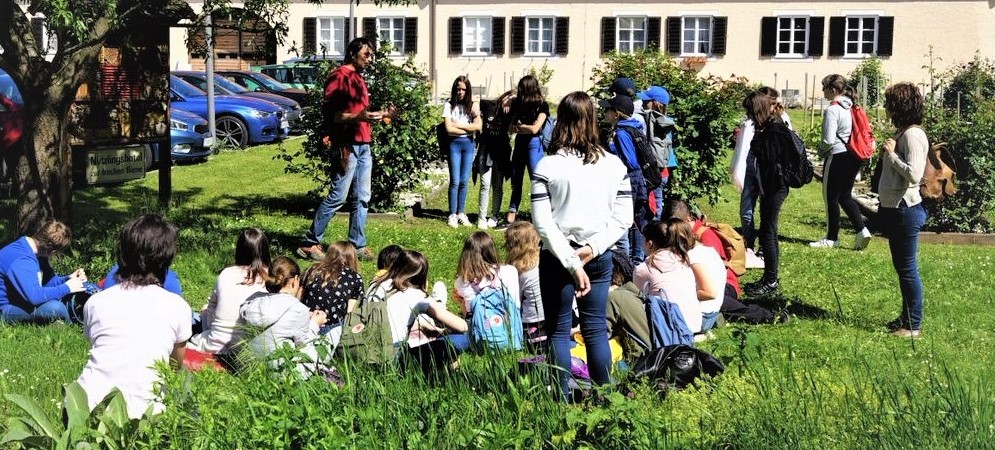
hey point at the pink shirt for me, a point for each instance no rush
(663, 270)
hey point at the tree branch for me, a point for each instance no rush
(19, 43)
(96, 38)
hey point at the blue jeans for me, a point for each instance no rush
(748, 201)
(904, 224)
(528, 152)
(708, 320)
(356, 177)
(460, 165)
(46, 312)
(557, 287)
(459, 341)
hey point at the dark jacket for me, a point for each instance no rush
(770, 145)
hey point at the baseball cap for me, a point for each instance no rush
(623, 86)
(620, 103)
(655, 93)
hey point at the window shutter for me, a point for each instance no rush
(347, 32)
(370, 28)
(886, 35)
(517, 35)
(653, 32)
(562, 36)
(837, 36)
(816, 34)
(674, 35)
(719, 27)
(608, 34)
(497, 35)
(455, 35)
(310, 39)
(768, 36)
(38, 30)
(410, 35)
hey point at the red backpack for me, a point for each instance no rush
(861, 143)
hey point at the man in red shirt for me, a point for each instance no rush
(347, 118)
(732, 309)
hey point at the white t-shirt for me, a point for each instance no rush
(665, 271)
(457, 115)
(403, 307)
(130, 328)
(716, 270)
(221, 314)
(506, 274)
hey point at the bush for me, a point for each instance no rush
(871, 70)
(706, 110)
(967, 83)
(402, 150)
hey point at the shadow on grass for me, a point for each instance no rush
(794, 306)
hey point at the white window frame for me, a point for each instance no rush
(482, 42)
(697, 41)
(634, 44)
(539, 42)
(860, 36)
(397, 45)
(793, 41)
(332, 24)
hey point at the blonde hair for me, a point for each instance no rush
(341, 254)
(479, 259)
(522, 242)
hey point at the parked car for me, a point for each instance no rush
(260, 82)
(224, 86)
(188, 137)
(239, 120)
(298, 74)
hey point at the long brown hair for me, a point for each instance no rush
(410, 269)
(341, 254)
(280, 272)
(529, 94)
(479, 258)
(577, 127)
(672, 234)
(467, 101)
(762, 109)
(252, 250)
(522, 242)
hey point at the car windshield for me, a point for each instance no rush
(9, 89)
(229, 85)
(201, 83)
(269, 81)
(184, 89)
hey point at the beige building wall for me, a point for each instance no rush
(955, 30)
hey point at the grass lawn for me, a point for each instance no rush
(831, 378)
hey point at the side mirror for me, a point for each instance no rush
(259, 89)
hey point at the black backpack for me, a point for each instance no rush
(675, 366)
(645, 156)
(782, 150)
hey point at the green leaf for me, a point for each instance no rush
(76, 407)
(116, 412)
(48, 427)
(17, 431)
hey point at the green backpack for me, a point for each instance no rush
(366, 335)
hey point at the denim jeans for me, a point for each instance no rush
(904, 224)
(46, 312)
(708, 321)
(460, 165)
(748, 201)
(356, 177)
(528, 152)
(557, 287)
(770, 211)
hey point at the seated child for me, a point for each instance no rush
(172, 283)
(380, 284)
(136, 322)
(667, 269)
(626, 314)
(30, 290)
(479, 269)
(521, 240)
(334, 285)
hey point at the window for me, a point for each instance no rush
(631, 34)
(477, 36)
(331, 35)
(860, 36)
(391, 29)
(45, 38)
(792, 36)
(697, 36)
(539, 35)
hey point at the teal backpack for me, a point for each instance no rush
(495, 321)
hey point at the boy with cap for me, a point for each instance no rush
(659, 130)
(619, 114)
(625, 86)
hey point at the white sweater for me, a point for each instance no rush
(587, 204)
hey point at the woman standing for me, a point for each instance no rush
(582, 205)
(841, 166)
(494, 157)
(529, 111)
(462, 118)
(904, 159)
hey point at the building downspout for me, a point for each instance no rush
(431, 46)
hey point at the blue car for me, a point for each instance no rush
(224, 86)
(188, 136)
(239, 120)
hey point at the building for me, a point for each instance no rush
(785, 43)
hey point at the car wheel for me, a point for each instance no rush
(232, 132)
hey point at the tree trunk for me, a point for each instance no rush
(44, 168)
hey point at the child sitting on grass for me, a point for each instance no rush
(668, 269)
(480, 269)
(333, 285)
(522, 241)
(30, 290)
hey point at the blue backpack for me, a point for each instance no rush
(666, 322)
(546, 132)
(495, 321)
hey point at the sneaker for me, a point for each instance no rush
(782, 316)
(895, 325)
(823, 243)
(862, 238)
(464, 220)
(453, 221)
(501, 225)
(907, 333)
(761, 288)
(439, 292)
(313, 252)
(482, 224)
(365, 254)
(753, 261)
(491, 223)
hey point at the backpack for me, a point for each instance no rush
(546, 133)
(366, 334)
(645, 156)
(666, 322)
(794, 165)
(861, 142)
(675, 366)
(495, 321)
(939, 181)
(663, 147)
(732, 242)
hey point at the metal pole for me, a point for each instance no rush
(805, 94)
(352, 21)
(209, 68)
